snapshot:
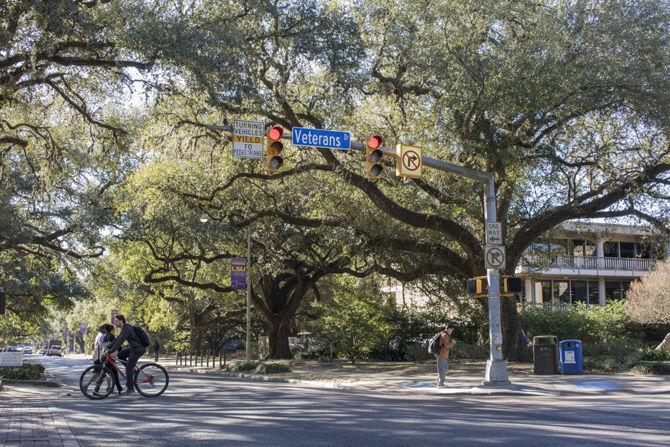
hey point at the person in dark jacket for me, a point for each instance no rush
(157, 348)
(131, 354)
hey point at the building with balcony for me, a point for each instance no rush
(587, 262)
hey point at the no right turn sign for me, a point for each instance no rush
(495, 257)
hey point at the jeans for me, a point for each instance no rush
(442, 368)
(131, 356)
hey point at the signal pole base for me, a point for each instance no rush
(496, 374)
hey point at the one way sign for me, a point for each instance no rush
(495, 257)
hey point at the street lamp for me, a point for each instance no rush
(247, 354)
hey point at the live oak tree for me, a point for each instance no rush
(565, 102)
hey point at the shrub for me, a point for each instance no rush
(273, 368)
(242, 366)
(604, 364)
(648, 353)
(467, 351)
(29, 371)
(592, 325)
(658, 368)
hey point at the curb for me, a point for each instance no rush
(260, 378)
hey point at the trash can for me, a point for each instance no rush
(571, 356)
(545, 354)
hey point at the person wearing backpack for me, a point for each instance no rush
(137, 340)
(440, 345)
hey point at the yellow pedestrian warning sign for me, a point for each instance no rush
(409, 163)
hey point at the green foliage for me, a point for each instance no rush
(242, 366)
(648, 353)
(652, 368)
(411, 327)
(467, 351)
(29, 371)
(354, 322)
(592, 325)
(273, 368)
(259, 367)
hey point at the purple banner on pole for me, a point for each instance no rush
(238, 273)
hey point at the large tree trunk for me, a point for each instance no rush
(278, 332)
(665, 344)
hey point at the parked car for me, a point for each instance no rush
(10, 349)
(27, 350)
(55, 350)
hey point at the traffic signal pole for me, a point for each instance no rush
(496, 367)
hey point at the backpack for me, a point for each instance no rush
(142, 335)
(435, 343)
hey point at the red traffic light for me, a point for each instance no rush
(374, 141)
(275, 133)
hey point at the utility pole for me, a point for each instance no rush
(247, 343)
(496, 367)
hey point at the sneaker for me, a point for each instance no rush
(440, 385)
(127, 391)
(96, 394)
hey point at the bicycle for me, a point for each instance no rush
(151, 379)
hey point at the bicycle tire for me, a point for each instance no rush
(140, 383)
(105, 376)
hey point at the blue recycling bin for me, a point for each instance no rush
(571, 356)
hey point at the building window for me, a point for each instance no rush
(543, 292)
(579, 294)
(581, 247)
(611, 249)
(613, 290)
(562, 291)
(593, 292)
(642, 250)
(627, 249)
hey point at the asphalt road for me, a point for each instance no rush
(201, 410)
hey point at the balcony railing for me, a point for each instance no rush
(534, 261)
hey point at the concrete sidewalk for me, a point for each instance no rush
(464, 379)
(28, 422)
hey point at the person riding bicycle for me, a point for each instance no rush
(130, 354)
(103, 340)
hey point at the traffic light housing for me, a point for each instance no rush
(509, 285)
(274, 148)
(373, 157)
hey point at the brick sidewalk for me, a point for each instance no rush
(30, 423)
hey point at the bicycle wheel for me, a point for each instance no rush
(152, 380)
(96, 383)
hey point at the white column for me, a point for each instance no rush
(530, 293)
(600, 252)
(601, 290)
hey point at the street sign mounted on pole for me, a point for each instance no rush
(248, 139)
(320, 138)
(494, 233)
(238, 273)
(410, 161)
(495, 257)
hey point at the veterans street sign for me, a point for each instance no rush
(319, 138)
(248, 139)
